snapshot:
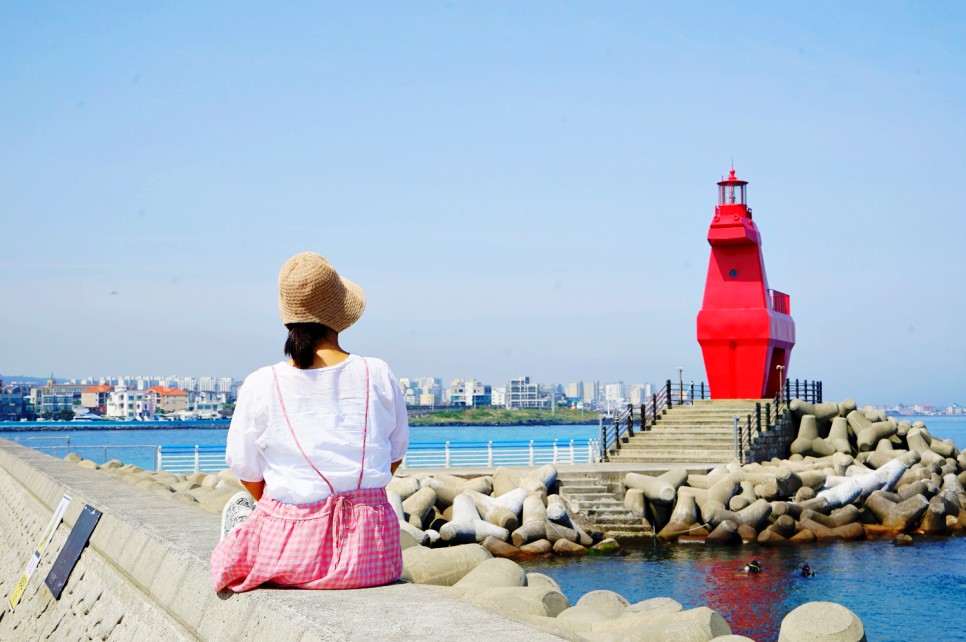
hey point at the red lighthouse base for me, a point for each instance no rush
(742, 351)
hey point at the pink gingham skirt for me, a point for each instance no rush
(348, 540)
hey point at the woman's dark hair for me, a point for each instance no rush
(303, 340)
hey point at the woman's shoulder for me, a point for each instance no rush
(378, 367)
(263, 375)
(379, 371)
(374, 362)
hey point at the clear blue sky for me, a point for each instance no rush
(521, 188)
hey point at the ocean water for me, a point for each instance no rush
(902, 594)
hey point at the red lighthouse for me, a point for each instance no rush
(745, 329)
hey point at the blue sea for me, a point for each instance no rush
(907, 594)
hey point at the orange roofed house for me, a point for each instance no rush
(171, 400)
(95, 398)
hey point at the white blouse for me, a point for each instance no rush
(326, 407)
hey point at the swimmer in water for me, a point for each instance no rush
(752, 567)
(807, 571)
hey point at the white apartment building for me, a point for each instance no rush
(638, 394)
(207, 384)
(523, 394)
(574, 390)
(469, 393)
(130, 403)
(423, 391)
(614, 394)
(591, 392)
(408, 391)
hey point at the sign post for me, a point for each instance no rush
(39, 551)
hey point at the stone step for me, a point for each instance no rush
(577, 479)
(586, 498)
(688, 429)
(697, 426)
(675, 459)
(604, 505)
(681, 436)
(613, 517)
(604, 522)
(625, 527)
(707, 416)
(683, 440)
(585, 487)
(706, 410)
(645, 451)
(675, 445)
(632, 537)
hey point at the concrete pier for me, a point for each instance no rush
(145, 575)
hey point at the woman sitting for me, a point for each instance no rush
(315, 440)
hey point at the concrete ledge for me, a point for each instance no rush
(149, 556)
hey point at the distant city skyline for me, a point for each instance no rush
(519, 189)
(217, 385)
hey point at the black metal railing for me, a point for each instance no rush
(614, 427)
(753, 425)
(805, 390)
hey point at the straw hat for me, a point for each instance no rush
(311, 291)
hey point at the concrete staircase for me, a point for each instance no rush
(700, 433)
(598, 506)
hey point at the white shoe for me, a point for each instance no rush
(237, 509)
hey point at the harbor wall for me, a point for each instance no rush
(145, 575)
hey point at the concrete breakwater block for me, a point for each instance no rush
(821, 622)
(507, 480)
(521, 600)
(900, 516)
(441, 566)
(821, 411)
(494, 573)
(595, 606)
(869, 436)
(683, 520)
(448, 487)
(418, 507)
(808, 441)
(534, 524)
(499, 548)
(467, 526)
(660, 489)
(566, 548)
(694, 625)
(560, 524)
(503, 511)
(404, 486)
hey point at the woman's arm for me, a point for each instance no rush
(393, 466)
(255, 488)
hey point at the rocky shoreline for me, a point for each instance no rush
(853, 474)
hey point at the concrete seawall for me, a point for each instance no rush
(145, 575)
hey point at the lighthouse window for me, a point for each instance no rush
(732, 273)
